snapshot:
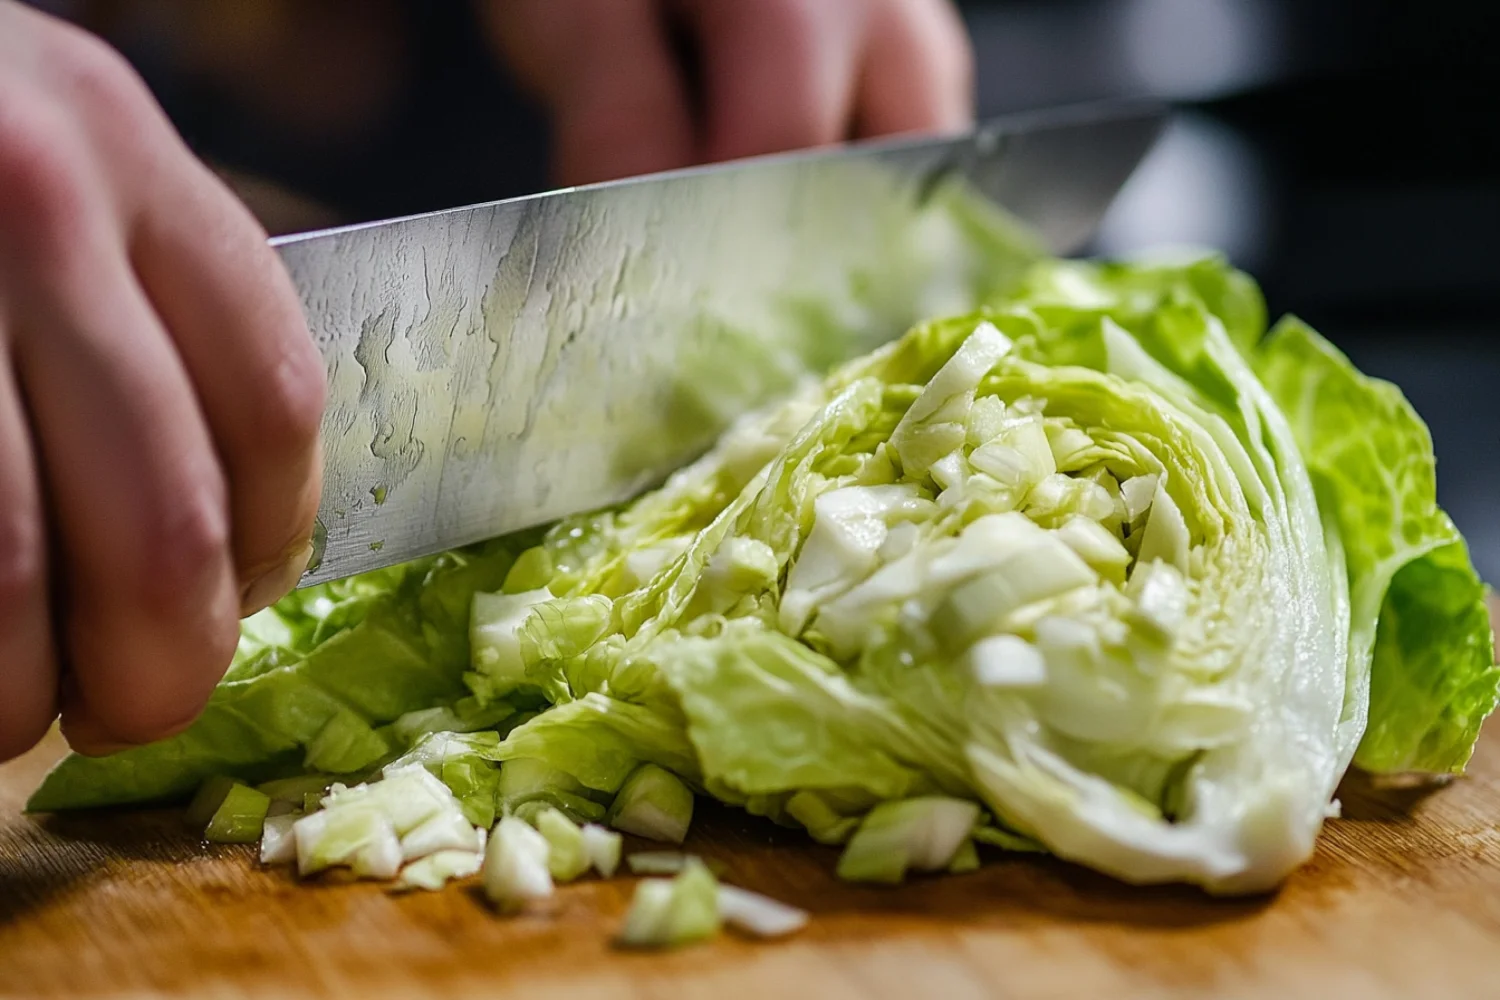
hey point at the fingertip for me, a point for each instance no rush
(81, 728)
(272, 584)
(92, 736)
(144, 675)
(779, 75)
(22, 731)
(918, 72)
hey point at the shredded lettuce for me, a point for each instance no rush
(1103, 569)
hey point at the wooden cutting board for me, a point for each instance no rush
(1402, 900)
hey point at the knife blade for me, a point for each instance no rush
(497, 367)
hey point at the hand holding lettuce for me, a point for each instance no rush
(1099, 568)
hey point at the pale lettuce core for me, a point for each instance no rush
(1103, 569)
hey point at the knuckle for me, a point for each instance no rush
(288, 403)
(44, 199)
(97, 77)
(184, 541)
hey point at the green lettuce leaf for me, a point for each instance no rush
(1416, 598)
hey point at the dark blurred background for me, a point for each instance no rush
(1344, 151)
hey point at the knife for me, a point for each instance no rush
(500, 366)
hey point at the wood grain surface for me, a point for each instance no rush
(1402, 900)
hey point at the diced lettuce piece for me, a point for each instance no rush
(1166, 534)
(937, 421)
(653, 803)
(240, 818)
(965, 859)
(741, 567)
(516, 866)
(758, 915)
(278, 844)
(407, 797)
(824, 824)
(373, 827)
(360, 837)
(602, 846)
(449, 830)
(567, 858)
(1007, 661)
(435, 870)
(669, 914)
(850, 527)
(921, 834)
(1097, 546)
(207, 799)
(465, 763)
(296, 789)
(656, 862)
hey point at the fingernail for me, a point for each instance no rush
(276, 584)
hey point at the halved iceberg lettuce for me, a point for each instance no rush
(1102, 559)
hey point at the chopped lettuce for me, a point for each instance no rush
(240, 817)
(463, 762)
(923, 834)
(1102, 568)
(436, 870)
(758, 915)
(656, 862)
(533, 786)
(567, 857)
(671, 913)
(653, 803)
(516, 870)
(207, 799)
(602, 847)
(278, 842)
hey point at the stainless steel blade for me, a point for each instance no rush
(497, 367)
